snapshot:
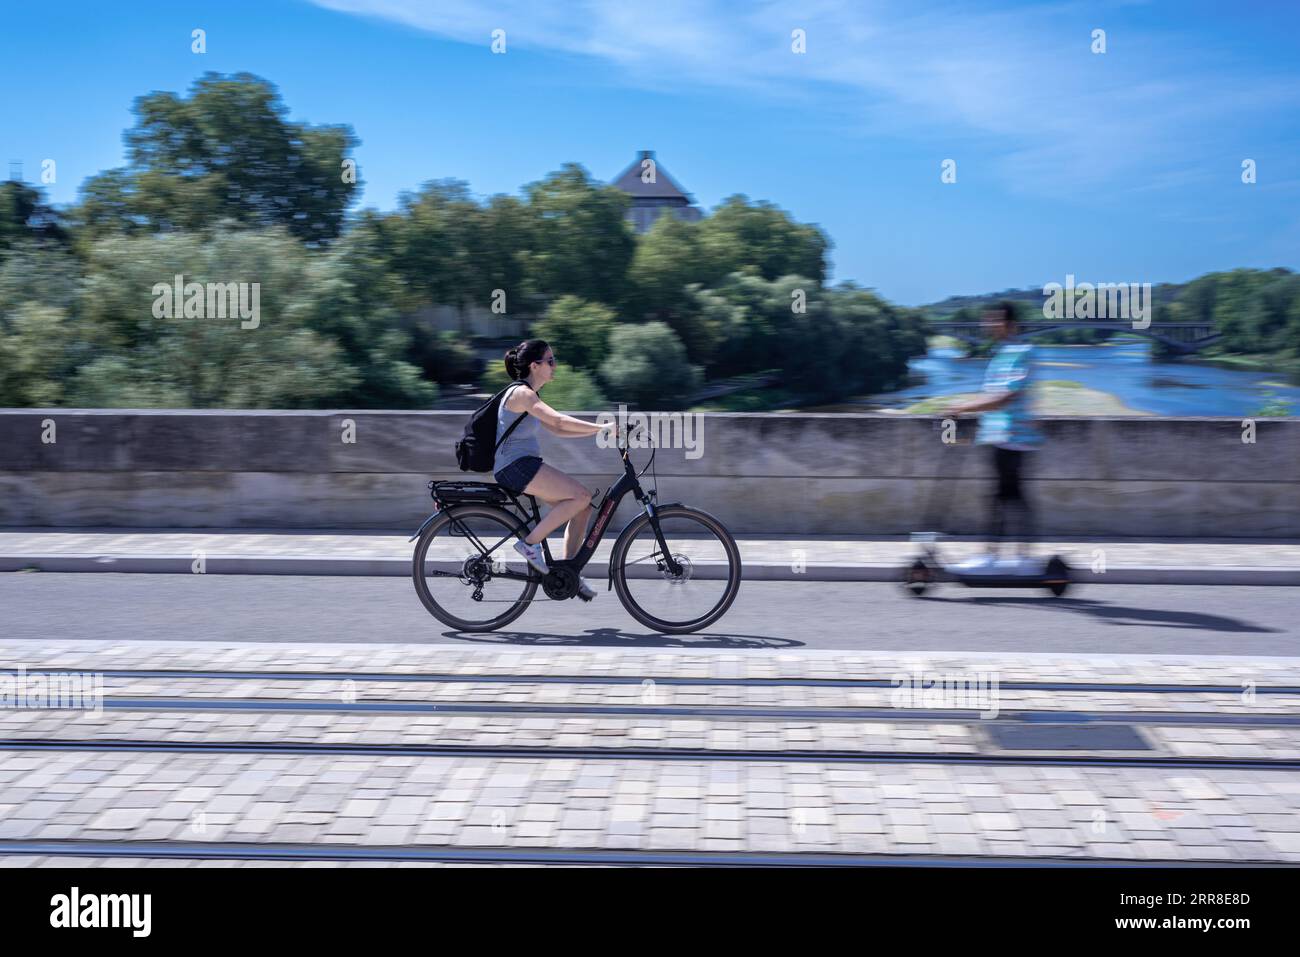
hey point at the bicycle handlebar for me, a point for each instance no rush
(623, 436)
(626, 436)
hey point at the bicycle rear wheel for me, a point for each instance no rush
(691, 600)
(459, 582)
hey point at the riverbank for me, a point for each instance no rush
(1250, 362)
(946, 342)
(1053, 397)
(1119, 377)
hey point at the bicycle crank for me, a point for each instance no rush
(560, 583)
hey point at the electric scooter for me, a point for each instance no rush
(929, 567)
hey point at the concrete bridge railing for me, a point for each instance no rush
(852, 474)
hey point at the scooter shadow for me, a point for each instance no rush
(1121, 615)
(614, 638)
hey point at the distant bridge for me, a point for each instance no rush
(1182, 337)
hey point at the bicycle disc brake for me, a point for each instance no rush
(684, 563)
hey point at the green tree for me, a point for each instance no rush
(429, 239)
(845, 341)
(827, 343)
(228, 151)
(502, 251)
(583, 244)
(34, 356)
(356, 300)
(648, 367)
(39, 345)
(142, 359)
(1277, 299)
(1290, 333)
(738, 234)
(669, 258)
(667, 273)
(578, 331)
(106, 208)
(38, 272)
(748, 314)
(572, 390)
(444, 357)
(879, 337)
(25, 216)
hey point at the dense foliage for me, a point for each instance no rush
(118, 299)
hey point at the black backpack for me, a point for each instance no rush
(476, 451)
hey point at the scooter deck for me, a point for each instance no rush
(995, 580)
(1032, 573)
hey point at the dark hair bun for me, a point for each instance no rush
(519, 359)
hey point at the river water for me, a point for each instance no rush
(1123, 368)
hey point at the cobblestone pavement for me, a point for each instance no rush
(661, 693)
(697, 664)
(956, 798)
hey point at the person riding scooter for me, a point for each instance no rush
(1007, 425)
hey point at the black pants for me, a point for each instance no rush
(1009, 497)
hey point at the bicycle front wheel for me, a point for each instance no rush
(467, 572)
(700, 593)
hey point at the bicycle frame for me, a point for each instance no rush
(627, 482)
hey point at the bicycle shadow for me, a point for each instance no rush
(1122, 615)
(615, 638)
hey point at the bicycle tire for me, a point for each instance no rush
(619, 570)
(510, 524)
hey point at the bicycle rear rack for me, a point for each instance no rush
(453, 493)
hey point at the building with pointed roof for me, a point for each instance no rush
(653, 193)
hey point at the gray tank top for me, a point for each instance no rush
(522, 441)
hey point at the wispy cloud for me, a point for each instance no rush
(1021, 77)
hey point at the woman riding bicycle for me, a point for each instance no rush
(519, 467)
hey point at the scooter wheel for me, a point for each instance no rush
(1057, 575)
(917, 578)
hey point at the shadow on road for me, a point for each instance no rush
(614, 638)
(1122, 614)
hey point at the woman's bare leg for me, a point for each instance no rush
(566, 496)
(577, 530)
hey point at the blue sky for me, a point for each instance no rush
(1116, 167)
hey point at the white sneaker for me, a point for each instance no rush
(534, 555)
(980, 563)
(1021, 565)
(585, 591)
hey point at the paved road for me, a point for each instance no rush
(1146, 619)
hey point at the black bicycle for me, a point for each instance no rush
(676, 569)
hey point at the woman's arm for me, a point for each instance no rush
(571, 428)
(568, 426)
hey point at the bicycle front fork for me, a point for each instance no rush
(653, 516)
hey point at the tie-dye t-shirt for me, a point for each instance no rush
(1012, 425)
